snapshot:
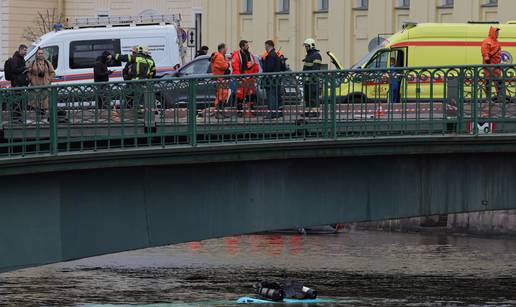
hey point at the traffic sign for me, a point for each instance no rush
(191, 38)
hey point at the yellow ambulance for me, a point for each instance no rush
(422, 45)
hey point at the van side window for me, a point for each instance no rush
(83, 54)
(51, 55)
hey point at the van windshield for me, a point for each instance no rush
(366, 58)
(31, 47)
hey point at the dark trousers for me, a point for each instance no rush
(311, 95)
(494, 76)
(394, 91)
(273, 99)
(18, 105)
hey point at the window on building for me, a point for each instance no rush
(83, 54)
(247, 6)
(283, 6)
(362, 4)
(403, 3)
(447, 3)
(491, 3)
(322, 5)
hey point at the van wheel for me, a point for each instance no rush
(355, 98)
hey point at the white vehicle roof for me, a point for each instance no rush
(102, 32)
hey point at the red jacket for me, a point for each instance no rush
(251, 67)
(491, 48)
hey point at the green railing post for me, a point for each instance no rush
(192, 112)
(53, 121)
(460, 102)
(333, 93)
(474, 101)
(148, 109)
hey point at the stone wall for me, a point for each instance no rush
(488, 222)
(501, 222)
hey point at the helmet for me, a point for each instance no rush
(145, 49)
(310, 42)
(134, 49)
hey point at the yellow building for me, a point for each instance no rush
(343, 26)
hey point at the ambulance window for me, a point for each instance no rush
(51, 55)
(379, 61)
(399, 58)
(83, 54)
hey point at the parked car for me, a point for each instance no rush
(175, 92)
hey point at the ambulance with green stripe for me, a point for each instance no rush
(422, 45)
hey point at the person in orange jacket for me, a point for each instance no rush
(492, 54)
(243, 62)
(219, 67)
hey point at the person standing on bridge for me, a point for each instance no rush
(492, 54)
(40, 73)
(220, 67)
(127, 72)
(203, 51)
(143, 66)
(243, 62)
(101, 73)
(312, 62)
(18, 77)
(394, 83)
(272, 64)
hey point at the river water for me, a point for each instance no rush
(355, 268)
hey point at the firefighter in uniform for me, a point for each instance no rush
(312, 62)
(143, 64)
(142, 67)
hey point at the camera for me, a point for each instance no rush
(41, 74)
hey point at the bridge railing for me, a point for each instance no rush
(262, 107)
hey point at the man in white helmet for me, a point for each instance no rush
(312, 62)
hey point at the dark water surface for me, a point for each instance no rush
(355, 268)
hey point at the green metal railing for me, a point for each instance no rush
(465, 100)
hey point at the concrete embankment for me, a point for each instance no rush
(501, 222)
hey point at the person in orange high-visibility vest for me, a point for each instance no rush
(219, 67)
(243, 62)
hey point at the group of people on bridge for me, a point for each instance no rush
(140, 65)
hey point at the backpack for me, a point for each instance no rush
(8, 73)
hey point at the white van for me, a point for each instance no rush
(74, 52)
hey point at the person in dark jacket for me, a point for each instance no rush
(19, 68)
(203, 51)
(272, 64)
(19, 76)
(101, 73)
(312, 62)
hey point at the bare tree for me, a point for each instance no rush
(43, 24)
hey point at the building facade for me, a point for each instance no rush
(17, 15)
(343, 26)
